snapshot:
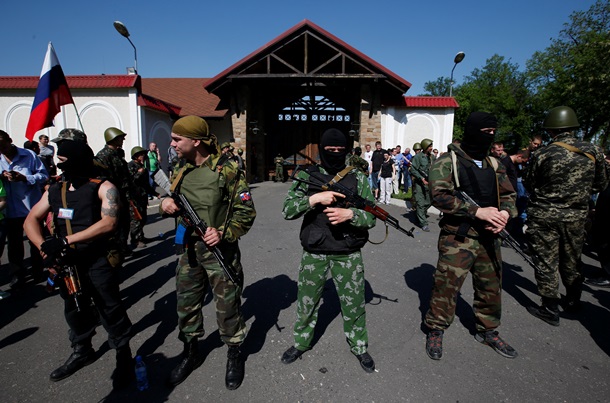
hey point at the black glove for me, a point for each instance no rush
(53, 247)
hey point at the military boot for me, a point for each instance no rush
(235, 368)
(548, 311)
(571, 303)
(190, 361)
(124, 373)
(82, 355)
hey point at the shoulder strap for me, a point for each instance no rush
(574, 149)
(64, 202)
(454, 169)
(340, 175)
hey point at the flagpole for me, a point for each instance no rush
(78, 117)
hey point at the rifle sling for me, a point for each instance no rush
(574, 149)
(64, 201)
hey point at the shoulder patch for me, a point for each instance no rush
(245, 197)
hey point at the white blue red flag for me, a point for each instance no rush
(51, 94)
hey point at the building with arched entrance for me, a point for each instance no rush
(276, 100)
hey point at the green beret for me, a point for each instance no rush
(192, 127)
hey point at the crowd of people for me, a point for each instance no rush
(92, 216)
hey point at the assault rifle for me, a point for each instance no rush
(352, 199)
(506, 237)
(71, 282)
(191, 219)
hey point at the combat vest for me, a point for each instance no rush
(85, 206)
(318, 235)
(205, 188)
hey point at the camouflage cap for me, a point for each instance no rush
(226, 144)
(70, 134)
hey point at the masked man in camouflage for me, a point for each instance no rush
(420, 168)
(220, 196)
(561, 179)
(468, 241)
(332, 237)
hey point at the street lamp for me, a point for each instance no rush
(122, 29)
(457, 59)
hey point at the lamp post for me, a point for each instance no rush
(122, 29)
(457, 59)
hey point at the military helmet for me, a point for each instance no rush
(225, 145)
(137, 150)
(240, 151)
(425, 143)
(112, 133)
(416, 147)
(560, 117)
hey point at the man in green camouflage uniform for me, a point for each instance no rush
(420, 167)
(139, 195)
(468, 241)
(220, 196)
(279, 168)
(332, 237)
(355, 160)
(114, 168)
(561, 179)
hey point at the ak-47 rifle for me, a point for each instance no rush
(192, 219)
(71, 282)
(352, 199)
(506, 237)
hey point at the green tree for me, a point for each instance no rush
(438, 88)
(575, 71)
(499, 88)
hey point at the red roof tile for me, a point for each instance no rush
(188, 93)
(80, 82)
(154, 103)
(431, 102)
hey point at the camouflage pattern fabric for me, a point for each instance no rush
(420, 167)
(140, 191)
(279, 168)
(558, 247)
(197, 272)
(444, 193)
(480, 257)
(211, 188)
(477, 253)
(347, 272)
(560, 181)
(358, 162)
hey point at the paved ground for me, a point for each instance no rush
(566, 363)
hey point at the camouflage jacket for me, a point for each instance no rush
(141, 185)
(561, 182)
(420, 166)
(278, 161)
(445, 196)
(296, 203)
(113, 167)
(219, 194)
(359, 163)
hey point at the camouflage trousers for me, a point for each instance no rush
(455, 260)
(136, 227)
(422, 202)
(197, 272)
(559, 246)
(347, 272)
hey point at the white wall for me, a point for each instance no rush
(405, 126)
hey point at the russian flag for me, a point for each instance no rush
(51, 94)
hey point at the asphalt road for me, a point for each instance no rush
(566, 363)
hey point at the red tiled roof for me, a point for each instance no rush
(306, 23)
(80, 82)
(188, 93)
(154, 103)
(431, 102)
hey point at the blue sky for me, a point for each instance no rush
(415, 39)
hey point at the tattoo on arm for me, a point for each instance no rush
(113, 203)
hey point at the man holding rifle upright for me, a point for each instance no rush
(332, 237)
(85, 213)
(219, 194)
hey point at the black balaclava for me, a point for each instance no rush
(333, 162)
(79, 163)
(476, 143)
